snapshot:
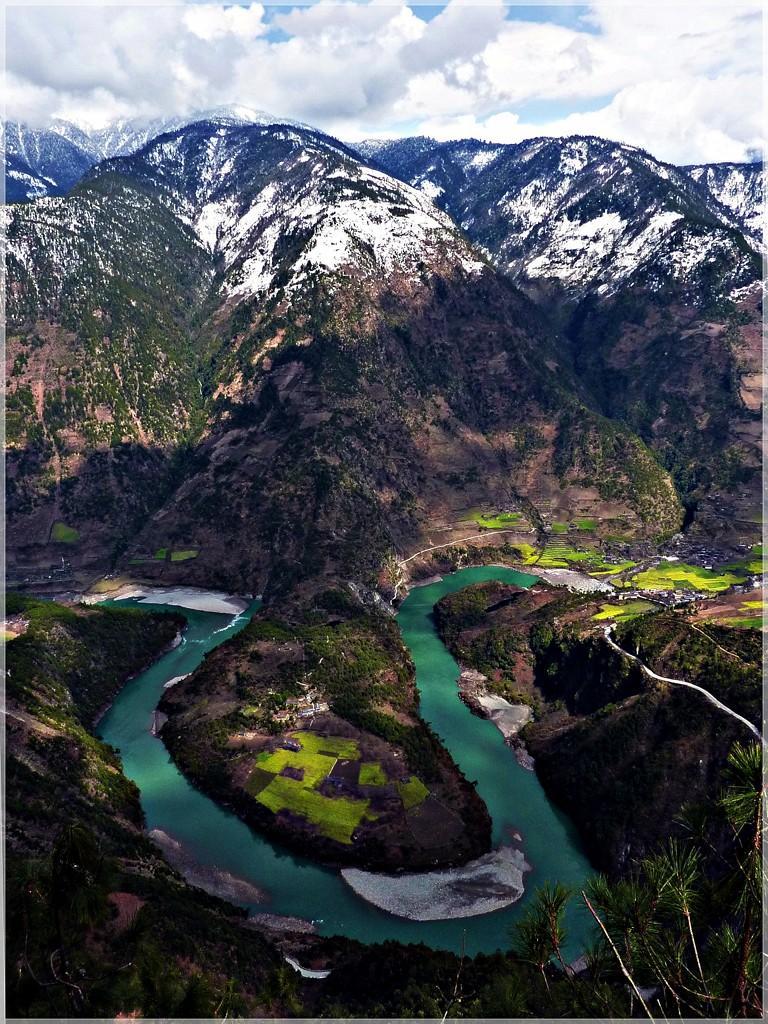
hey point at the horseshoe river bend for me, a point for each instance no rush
(299, 888)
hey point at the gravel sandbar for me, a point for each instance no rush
(489, 883)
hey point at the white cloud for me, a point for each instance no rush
(684, 82)
(210, 23)
(676, 120)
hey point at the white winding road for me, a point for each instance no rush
(681, 682)
(454, 543)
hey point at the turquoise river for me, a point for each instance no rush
(295, 886)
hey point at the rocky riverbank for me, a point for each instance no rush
(508, 718)
(213, 880)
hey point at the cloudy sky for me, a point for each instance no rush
(682, 81)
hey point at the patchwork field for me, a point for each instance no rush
(288, 779)
(735, 610)
(306, 768)
(335, 817)
(746, 621)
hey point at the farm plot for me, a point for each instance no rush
(623, 612)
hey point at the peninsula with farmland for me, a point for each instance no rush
(366, 783)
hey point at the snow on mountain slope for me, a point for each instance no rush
(42, 162)
(585, 212)
(49, 161)
(740, 188)
(276, 205)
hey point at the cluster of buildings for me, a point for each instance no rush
(20, 575)
(311, 703)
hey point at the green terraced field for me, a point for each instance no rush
(559, 527)
(681, 576)
(63, 534)
(412, 793)
(160, 554)
(562, 556)
(372, 774)
(623, 612)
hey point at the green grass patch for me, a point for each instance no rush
(185, 555)
(258, 780)
(681, 576)
(372, 774)
(335, 817)
(63, 534)
(585, 524)
(748, 622)
(751, 604)
(161, 554)
(498, 520)
(559, 527)
(623, 612)
(412, 793)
